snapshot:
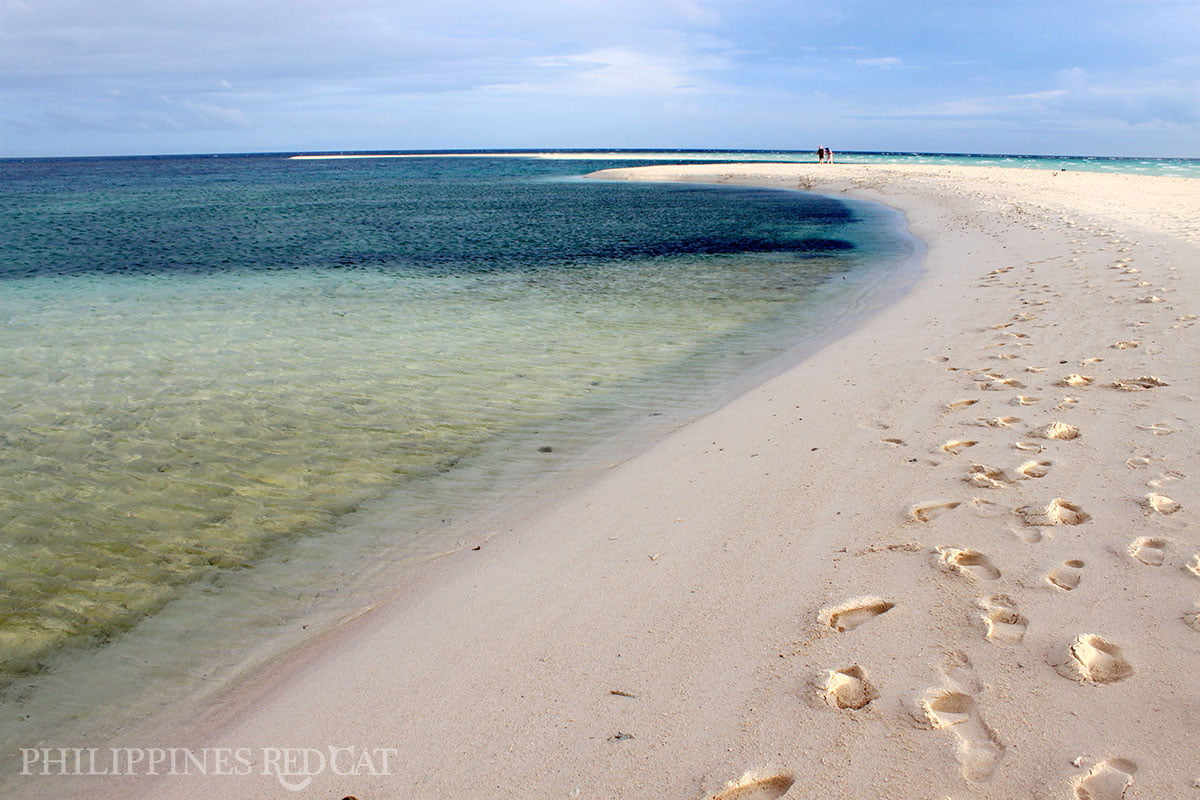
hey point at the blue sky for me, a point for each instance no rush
(1083, 77)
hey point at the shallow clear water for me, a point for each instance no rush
(207, 363)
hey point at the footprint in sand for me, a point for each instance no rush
(1025, 400)
(986, 508)
(848, 688)
(997, 422)
(996, 383)
(1193, 565)
(956, 446)
(1139, 384)
(960, 673)
(1056, 430)
(1066, 402)
(756, 786)
(1093, 659)
(1033, 447)
(1027, 535)
(1165, 479)
(1076, 380)
(924, 512)
(1107, 780)
(1149, 551)
(957, 404)
(979, 752)
(894, 441)
(1138, 462)
(1003, 623)
(970, 563)
(1192, 620)
(1067, 575)
(987, 477)
(1034, 469)
(1160, 503)
(849, 615)
(1129, 345)
(1056, 512)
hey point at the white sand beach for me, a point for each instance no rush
(950, 555)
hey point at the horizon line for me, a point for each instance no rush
(569, 151)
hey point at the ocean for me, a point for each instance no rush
(244, 393)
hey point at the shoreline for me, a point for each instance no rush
(658, 633)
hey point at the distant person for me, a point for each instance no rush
(821, 154)
(828, 156)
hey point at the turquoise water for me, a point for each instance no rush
(231, 383)
(1177, 167)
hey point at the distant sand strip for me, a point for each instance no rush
(953, 554)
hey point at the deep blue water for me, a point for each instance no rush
(203, 215)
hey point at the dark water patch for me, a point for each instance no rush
(451, 214)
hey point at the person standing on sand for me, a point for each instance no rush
(821, 154)
(828, 156)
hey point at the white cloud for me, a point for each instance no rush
(696, 14)
(1052, 94)
(1073, 78)
(888, 62)
(617, 71)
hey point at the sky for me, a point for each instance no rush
(1078, 77)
